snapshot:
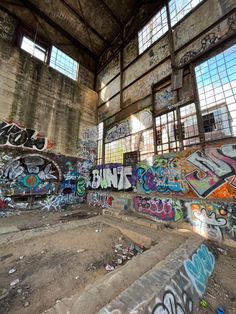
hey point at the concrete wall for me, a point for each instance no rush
(182, 186)
(47, 129)
(204, 28)
(178, 187)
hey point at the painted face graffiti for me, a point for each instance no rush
(31, 174)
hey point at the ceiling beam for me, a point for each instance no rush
(85, 22)
(108, 9)
(42, 15)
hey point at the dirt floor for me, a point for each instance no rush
(221, 287)
(59, 264)
(54, 266)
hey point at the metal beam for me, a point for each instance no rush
(112, 14)
(85, 22)
(42, 15)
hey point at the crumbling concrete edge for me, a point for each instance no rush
(175, 285)
(111, 289)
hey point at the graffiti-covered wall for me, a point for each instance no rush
(194, 186)
(37, 180)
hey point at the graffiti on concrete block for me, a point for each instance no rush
(99, 199)
(171, 305)
(118, 131)
(13, 135)
(87, 145)
(214, 168)
(159, 209)
(135, 123)
(114, 177)
(199, 268)
(214, 220)
(165, 176)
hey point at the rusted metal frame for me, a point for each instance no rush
(103, 143)
(154, 122)
(40, 13)
(173, 64)
(121, 71)
(198, 108)
(84, 21)
(134, 81)
(128, 39)
(109, 10)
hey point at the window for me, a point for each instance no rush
(153, 30)
(33, 48)
(141, 141)
(63, 63)
(179, 8)
(171, 132)
(99, 143)
(216, 84)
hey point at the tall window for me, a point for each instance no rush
(179, 8)
(99, 145)
(63, 63)
(153, 30)
(33, 48)
(216, 84)
(172, 132)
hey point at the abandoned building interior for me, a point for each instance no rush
(117, 156)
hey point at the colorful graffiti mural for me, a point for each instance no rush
(165, 176)
(214, 168)
(159, 209)
(33, 181)
(12, 134)
(214, 220)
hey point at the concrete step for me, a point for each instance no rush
(96, 297)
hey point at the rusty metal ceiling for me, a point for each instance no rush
(89, 24)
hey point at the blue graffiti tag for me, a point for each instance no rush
(200, 268)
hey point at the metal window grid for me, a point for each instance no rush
(63, 63)
(155, 28)
(179, 8)
(216, 85)
(33, 48)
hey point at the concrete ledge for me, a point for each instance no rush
(113, 284)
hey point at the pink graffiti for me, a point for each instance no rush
(161, 209)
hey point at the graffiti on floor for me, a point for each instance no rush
(199, 268)
(112, 176)
(159, 209)
(12, 134)
(99, 199)
(214, 168)
(165, 176)
(214, 220)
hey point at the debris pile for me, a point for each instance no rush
(123, 254)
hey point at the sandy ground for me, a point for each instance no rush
(221, 287)
(51, 267)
